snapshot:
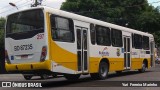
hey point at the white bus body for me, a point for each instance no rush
(46, 40)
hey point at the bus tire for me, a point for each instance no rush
(102, 72)
(54, 75)
(27, 77)
(72, 77)
(44, 76)
(143, 69)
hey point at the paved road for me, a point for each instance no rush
(87, 83)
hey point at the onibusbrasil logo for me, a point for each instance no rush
(21, 84)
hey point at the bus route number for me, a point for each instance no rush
(40, 36)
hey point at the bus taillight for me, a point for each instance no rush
(43, 53)
(6, 57)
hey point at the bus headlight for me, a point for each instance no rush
(43, 53)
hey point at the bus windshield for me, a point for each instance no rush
(31, 21)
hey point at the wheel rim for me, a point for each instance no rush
(143, 67)
(27, 77)
(44, 76)
(103, 70)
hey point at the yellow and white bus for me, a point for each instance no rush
(44, 40)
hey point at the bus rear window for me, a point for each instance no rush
(26, 21)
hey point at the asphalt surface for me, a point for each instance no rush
(113, 82)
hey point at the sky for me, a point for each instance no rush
(6, 9)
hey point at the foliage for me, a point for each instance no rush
(2, 24)
(136, 14)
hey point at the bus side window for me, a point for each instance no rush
(145, 42)
(132, 40)
(116, 38)
(62, 29)
(92, 33)
(103, 35)
(53, 27)
(138, 41)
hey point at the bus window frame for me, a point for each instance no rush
(93, 34)
(107, 28)
(136, 43)
(115, 30)
(144, 43)
(70, 29)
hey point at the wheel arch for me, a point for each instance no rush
(106, 60)
(146, 62)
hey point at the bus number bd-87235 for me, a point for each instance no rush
(23, 47)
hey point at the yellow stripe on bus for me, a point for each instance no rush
(46, 65)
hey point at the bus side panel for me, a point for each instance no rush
(62, 58)
(115, 64)
(149, 63)
(136, 63)
(97, 53)
(93, 64)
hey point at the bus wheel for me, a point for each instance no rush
(54, 75)
(143, 69)
(72, 77)
(102, 72)
(44, 76)
(27, 77)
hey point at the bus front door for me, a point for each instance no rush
(82, 49)
(127, 52)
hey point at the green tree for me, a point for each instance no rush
(2, 25)
(136, 14)
(157, 37)
(113, 11)
(90, 8)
